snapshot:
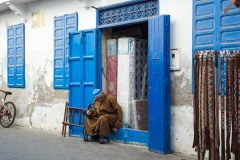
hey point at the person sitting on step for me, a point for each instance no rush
(106, 114)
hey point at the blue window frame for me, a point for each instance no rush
(63, 25)
(16, 56)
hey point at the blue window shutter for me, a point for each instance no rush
(59, 52)
(62, 26)
(214, 29)
(16, 56)
(71, 25)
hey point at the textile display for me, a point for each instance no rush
(123, 79)
(112, 61)
(138, 69)
(217, 125)
(140, 114)
(132, 75)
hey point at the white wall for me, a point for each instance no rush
(181, 98)
(40, 106)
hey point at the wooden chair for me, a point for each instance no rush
(67, 120)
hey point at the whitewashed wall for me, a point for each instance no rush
(40, 106)
(181, 98)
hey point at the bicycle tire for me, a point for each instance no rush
(13, 115)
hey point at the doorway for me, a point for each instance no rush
(157, 137)
(125, 71)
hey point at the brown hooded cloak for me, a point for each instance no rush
(105, 114)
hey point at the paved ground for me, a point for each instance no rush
(20, 143)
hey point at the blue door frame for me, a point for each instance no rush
(157, 138)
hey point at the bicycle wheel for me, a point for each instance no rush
(8, 119)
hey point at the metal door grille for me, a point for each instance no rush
(127, 13)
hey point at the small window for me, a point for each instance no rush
(16, 56)
(62, 26)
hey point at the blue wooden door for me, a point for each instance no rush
(159, 84)
(83, 70)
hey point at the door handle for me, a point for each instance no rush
(155, 59)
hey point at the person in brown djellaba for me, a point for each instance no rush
(106, 114)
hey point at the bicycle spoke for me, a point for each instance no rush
(9, 114)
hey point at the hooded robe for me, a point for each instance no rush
(104, 115)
